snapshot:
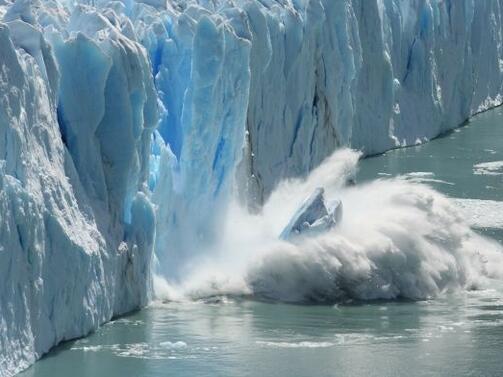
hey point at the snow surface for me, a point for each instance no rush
(130, 125)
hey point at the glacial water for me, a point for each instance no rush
(456, 334)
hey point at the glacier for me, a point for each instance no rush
(127, 128)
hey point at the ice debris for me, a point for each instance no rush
(314, 216)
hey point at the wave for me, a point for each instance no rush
(397, 239)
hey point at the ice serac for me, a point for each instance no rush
(76, 225)
(372, 75)
(201, 69)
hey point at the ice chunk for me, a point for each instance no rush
(314, 216)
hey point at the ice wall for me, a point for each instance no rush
(76, 228)
(372, 75)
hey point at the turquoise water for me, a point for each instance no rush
(452, 158)
(452, 165)
(456, 335)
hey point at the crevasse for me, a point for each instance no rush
(126, 127)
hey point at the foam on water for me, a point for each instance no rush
(425, 177)
(304, 344)
(481, 213)
(142, 350)
(489, 168)
(397, 239)
(173, 345)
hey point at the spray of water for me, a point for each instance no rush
(397, 239)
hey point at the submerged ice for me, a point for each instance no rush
(176, 131)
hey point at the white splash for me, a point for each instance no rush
(397, 239)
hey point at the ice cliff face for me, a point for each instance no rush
(372, 75)
(243, 93)
(76, 229)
